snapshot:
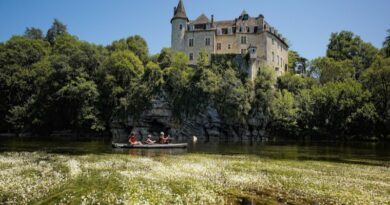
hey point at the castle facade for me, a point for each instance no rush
(245, 35)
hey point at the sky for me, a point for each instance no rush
(307, 24)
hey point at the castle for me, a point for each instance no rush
(244, 35)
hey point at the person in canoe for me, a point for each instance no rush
(133, 139)
(163, 139)
(149, 140)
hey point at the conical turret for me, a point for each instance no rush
(180, 12)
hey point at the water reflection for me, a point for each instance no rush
(325, 151)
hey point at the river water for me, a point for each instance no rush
(351, 152)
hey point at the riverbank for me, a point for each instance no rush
(41, 178)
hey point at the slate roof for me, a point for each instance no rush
(180, 11)
(202, 19)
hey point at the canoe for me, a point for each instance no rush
(147, 146)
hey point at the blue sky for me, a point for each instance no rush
(306, 23)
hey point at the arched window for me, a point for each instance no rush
(180, 26)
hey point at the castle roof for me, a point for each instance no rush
(180, 11)
(227, 23)
(202, 19)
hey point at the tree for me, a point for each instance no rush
(138, 45)
(386, 44)
(165, 58)
(284, 112)
(347, 46)
(334, 108)
(263, 95)
(33, 33)
(377, 80)
(135, 44)
(81, 97)
(57, 29)
(177, 78)
(330, 70)
(295, 83)
(296, 63)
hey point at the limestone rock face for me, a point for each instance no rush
(207, 125)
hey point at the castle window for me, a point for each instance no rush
(200, 26)
(273, 41)
(229, 46)
(218, 46)
(285, 67)
(240, 29)
(276, 69)
(191, 42)
(207, 42)
(225, 31)
(278, 59)
(180, 26)
(191, 56)
(243, 39)
(255, 29)
(248, 29)
(273, 57)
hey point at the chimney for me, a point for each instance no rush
(212, 20)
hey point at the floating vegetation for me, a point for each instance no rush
(41, 178)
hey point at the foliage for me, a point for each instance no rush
(295, 83)
(386, 45)
(263, 95)
(33, 33)
(165, 58)
(334, 107)
(347, 46)
(377, 80)
(135, 44)
(330, 70)
(284, 112)
(296, 63)
(57, 29)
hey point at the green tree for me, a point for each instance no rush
(177, 78)
(135, 44)
(138, 45)
(33, 33)
(330, 70)
(347, 46)
(260, 114)
(377, 80)
(57, 29)
(386, 44)
(295, 83)
(284, 112)
(334, 108)
(81, 96)
(296, 63)
(165, 57)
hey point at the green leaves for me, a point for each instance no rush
(331, 70)
(347, 46)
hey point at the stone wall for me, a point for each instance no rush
(199, 43)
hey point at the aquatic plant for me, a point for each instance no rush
(42, 178)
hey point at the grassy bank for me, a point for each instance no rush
(41, 178)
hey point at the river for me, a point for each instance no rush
(351, 152)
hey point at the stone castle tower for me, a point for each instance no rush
(244, 35)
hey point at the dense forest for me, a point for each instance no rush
(58, 82)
